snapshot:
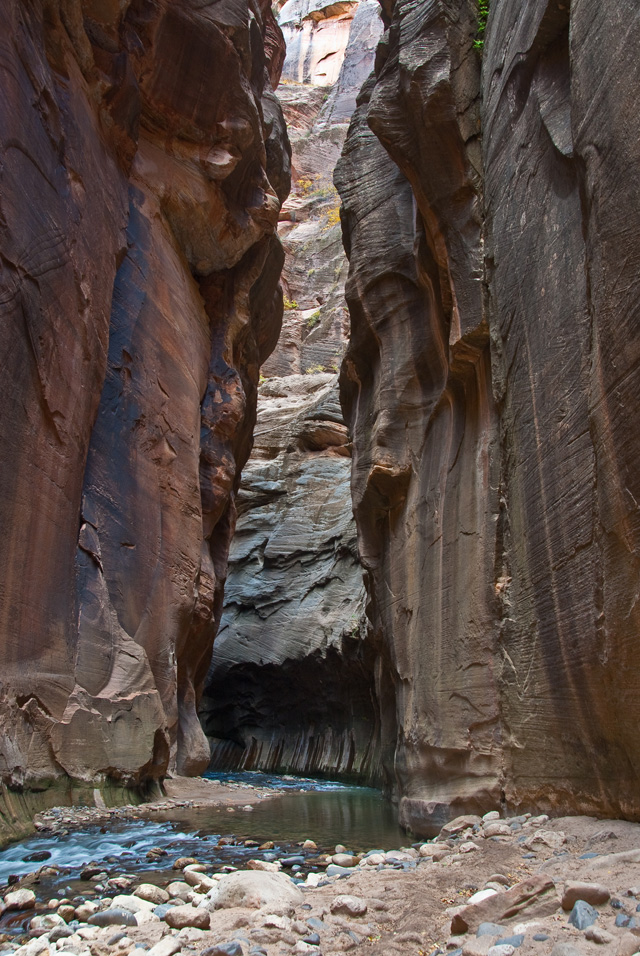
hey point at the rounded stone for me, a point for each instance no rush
(20, 900)
(151, 893)
(349, 906)
(179, 917)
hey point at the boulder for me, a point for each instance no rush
(181, 917)
(536, 895)
(20, 899)
(593, 893)
(151, 893)
(256, 889)
(348, 906)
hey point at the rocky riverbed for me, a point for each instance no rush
(485, 886)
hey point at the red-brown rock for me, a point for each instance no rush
(144, 161)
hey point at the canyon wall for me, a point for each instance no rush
(491, 385)
(144, 160)
(291, 682)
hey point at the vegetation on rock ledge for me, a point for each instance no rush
(483, 14)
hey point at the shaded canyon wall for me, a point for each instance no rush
(144, 159)
(291, 682)
(491, 387)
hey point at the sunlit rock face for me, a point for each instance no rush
(291, 684)
(144, 162)
(491, 385)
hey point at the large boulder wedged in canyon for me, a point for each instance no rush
(491, 387)
(144, 164)
(562, 166)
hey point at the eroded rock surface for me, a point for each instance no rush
(490, 385)
(144, 162)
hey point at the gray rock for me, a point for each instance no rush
(540, 937)
(514, 941)
(490, 929)
(162, 910)
(583, 915)
(233, 948)
(566, 949)
(334, 870)
(113, 917)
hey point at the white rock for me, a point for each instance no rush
(303, 948)
(374, 860)
(151, 893)
(467, 847)
(551, 838)
(46, 922)
(179, 890)
(190, 935)
(20, 900)
(313, 879)
(168, 946)
(273, 921)
(256, 889)
(536, 821)
(480, 896)
(491, 815)
(497, 829)
(144, 916)
(505, 949)
(348, 906)
(265, 866)
(135, 904)
(36, 947)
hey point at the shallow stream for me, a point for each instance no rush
(323, 811)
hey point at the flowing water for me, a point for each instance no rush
(323, 811)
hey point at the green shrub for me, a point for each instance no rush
(483, 13)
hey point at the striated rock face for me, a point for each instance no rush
(490, 386)
(291, 686)
(144, 161)
(316, 34)
(561, 151)
(291, 683)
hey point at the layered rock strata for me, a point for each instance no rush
(490, 386)
(144, 162)
(291, 684)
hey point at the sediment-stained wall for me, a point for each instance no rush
(490, 385)
(144, 162)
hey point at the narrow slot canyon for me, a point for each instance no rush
(320, 372)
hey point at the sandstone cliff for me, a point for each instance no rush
(291, 682)
(144, 161)
(491, 386)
